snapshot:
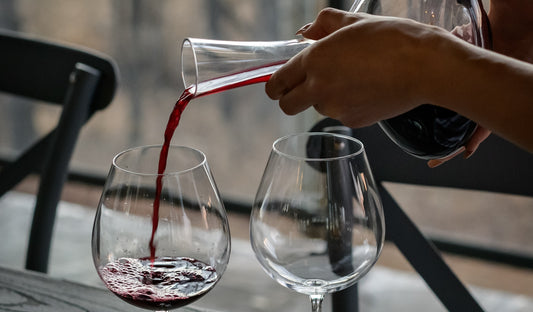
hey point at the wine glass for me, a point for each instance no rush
(164, 251)
(317, 223)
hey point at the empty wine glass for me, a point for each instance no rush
(317, 223)
(160, 252)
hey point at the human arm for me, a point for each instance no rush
(364, 69)
(499, 95)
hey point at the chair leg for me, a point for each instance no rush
(425, 259)
(84, 80)
(346, 300)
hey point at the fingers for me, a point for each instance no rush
(437, 162)
(303, 29)
(477, 137)
(287, 86)
(286, 78)
(295, 101)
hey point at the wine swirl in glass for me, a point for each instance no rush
(189, 251)
(317, 223)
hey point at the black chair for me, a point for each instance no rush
(82, 82)
(498, 166)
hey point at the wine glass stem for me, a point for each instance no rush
(316, 303)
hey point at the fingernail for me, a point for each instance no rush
(434, 163)
(303, 29)
(468, 154)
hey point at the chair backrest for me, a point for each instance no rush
(498, 166)
(80, 80)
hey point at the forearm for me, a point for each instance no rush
(494, 90)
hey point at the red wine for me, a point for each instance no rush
(172, 124)
(243, 83)
(163, 284)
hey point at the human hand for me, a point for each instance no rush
(479, 135)
(362, 68)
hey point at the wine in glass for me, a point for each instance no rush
(160, 241)
(317, 223)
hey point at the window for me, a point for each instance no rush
(235, 129)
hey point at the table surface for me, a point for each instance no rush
(31, 291)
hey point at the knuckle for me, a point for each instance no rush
(327, 13)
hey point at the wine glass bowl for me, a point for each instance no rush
(317, 224)
(164, 258)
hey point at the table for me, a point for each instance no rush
(27, 291)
